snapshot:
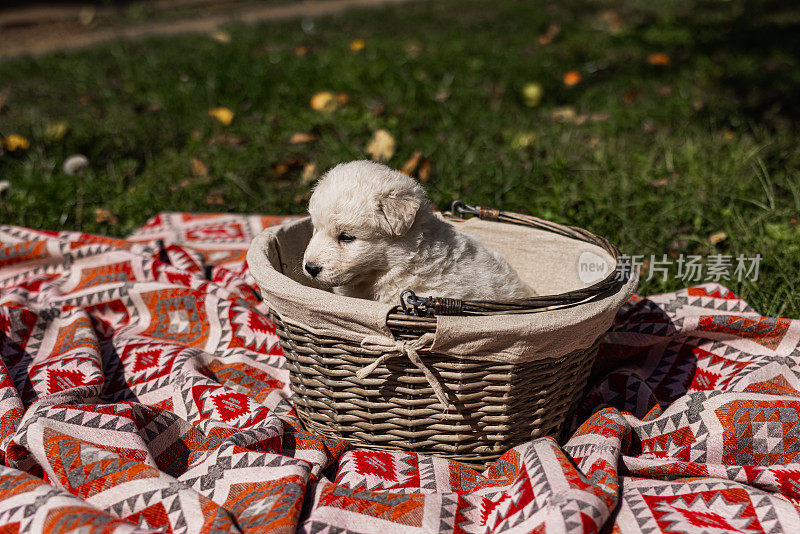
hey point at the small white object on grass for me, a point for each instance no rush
(5, 185)
(75, 163)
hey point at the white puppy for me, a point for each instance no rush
(375, 234)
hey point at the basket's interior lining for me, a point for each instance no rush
(549, 263)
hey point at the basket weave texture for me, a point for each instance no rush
(491, 406)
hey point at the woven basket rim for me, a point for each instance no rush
(401, 322)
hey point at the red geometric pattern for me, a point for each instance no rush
(163, 404)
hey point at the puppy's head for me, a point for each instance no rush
(359, 209)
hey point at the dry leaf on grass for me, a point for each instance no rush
(222, 114)
(281, 169)
(228, 139)
(299, 138)
(441, 95)
(424, 171)
(74, 164)
(103, 215)
(356, 45)
(324, 101)
(411, 163)
(199, 169)
(532, 93)
(55, 131)
(382, 146)
(183, 184)
(221, 36)
(215, 198)
(659, 59)
(631, 95)
(550, 33)
(565, 114)
(301, 50)
(309, 173)
(661, 182)
(523, 140)
(572, 77)
(15, 142)
(717, 237)
(611, 21)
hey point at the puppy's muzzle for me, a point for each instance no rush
(313, 269)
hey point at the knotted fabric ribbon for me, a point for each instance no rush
(392, 348)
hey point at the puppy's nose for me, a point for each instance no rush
(313, 269)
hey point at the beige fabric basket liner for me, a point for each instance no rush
(547, 262)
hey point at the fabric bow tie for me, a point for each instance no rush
(392, 348)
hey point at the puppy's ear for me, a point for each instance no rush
(399, 210)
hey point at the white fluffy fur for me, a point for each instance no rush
(399, 242)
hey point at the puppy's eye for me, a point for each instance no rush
(346, 238)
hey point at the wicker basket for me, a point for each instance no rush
(491, 405)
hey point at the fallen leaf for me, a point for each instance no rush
(630, 96)
(215, 198)
(281, 169)
(103, 215)
(658, 58)
(228, 139)
(86, 15)
(309, 173)
(356, 45)
(221, 36)
(382, 145)
(323, 101)
(698, 105)
(377, 109)
(299, 138)
(342, 98)
(199, 169)
(593, 142)
(75, 163)
(566, 114)
(611, 21)
(442, 95)
(413, 50)
(532, 93)
(301, 50)
(55, 131)
(661, 182)
(599, 117)
(15, 142)
(648, 126)
(424, 171)
(411, 163)
(717, 237)
(665, 90)
(222, 114)
(572, 77)
(186, 182)
(728, 135)
(523, 140)
(550, 33)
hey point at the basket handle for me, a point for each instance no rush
(430, 306)
(424, 306)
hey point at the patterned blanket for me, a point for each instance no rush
(142, 389)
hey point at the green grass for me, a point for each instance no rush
(717, 122)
